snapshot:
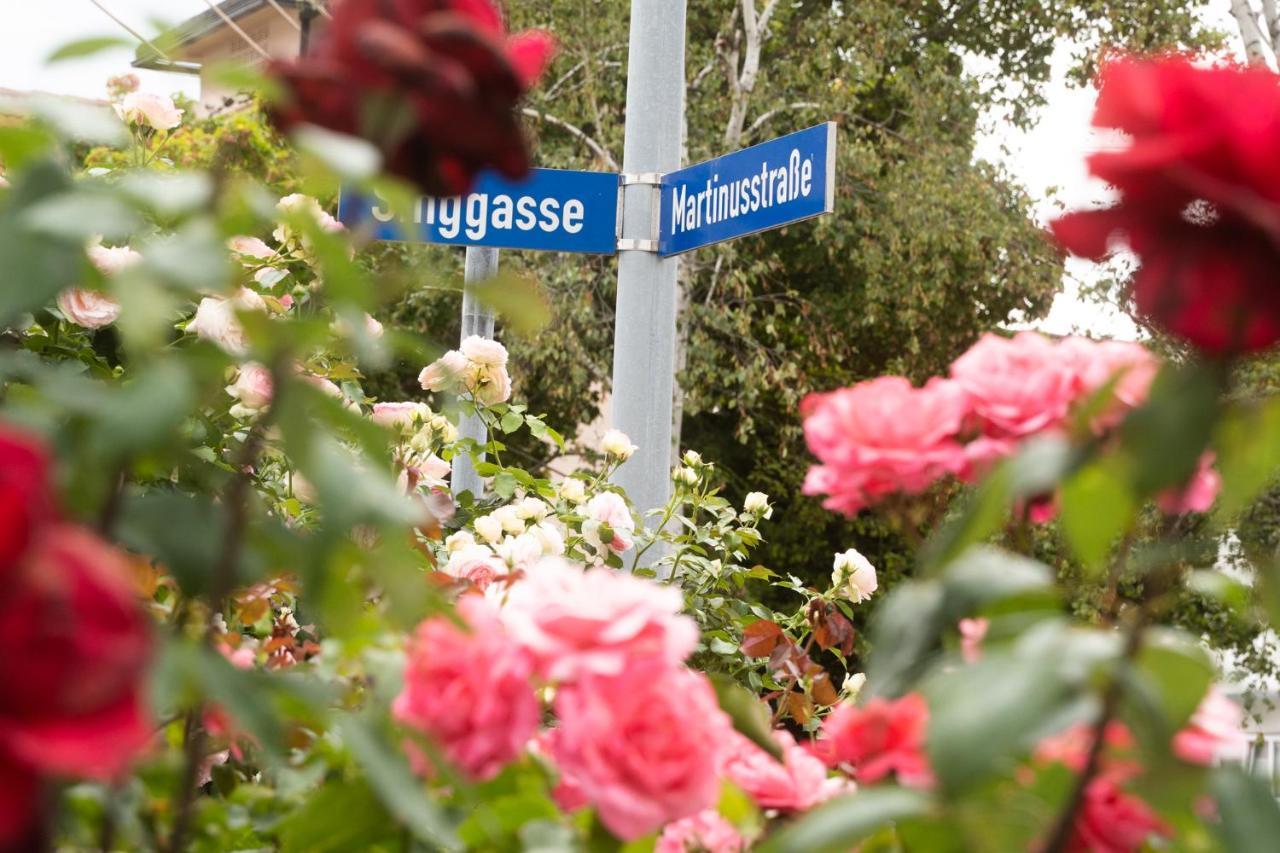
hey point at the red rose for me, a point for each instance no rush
(1112, 821)
(880, 738)
(74, 645)
(24, 495)
(1199, 190)
(434, 83)
(19, 807)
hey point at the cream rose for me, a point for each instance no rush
(88, 308)
(158, 111)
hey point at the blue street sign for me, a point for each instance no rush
(555, 210)
(767, 185)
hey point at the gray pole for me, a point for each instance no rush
(645, 330)
(481, 264)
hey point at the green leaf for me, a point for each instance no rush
(79, 121)
(510, 422)
(245, 694)
(339, 816)
(1248, 452)
(518, 299)
(840, 824)
(35, 266)
(748, 714)
(981, 516)
(402, 794)
(350, 157)
(169, 195)
(1166, 435)
(1172, 675)
(1097, 507)
(87, 47)
(182, 531)
(146, 411)
(1250, 816)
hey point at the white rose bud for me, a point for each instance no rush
(616, 443)
(573, 490)
(855, 569)
(692, 457)
(853, 684)
(686, 475)
(757, 503)
(455, 542)
(488, 528)
(532, 508)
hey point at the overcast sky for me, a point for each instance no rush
(1048, 160)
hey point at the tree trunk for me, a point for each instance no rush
(1255, 47)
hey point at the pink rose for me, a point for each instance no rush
(798, 784)
(89, 309)
(1132, 367)
(1018, 386)
(398, 414)
(469, 691)
(881, 437)
(110, 260)
(972, 633)
(597, 621)
(643, 749)
(1215, 730)
(1113, 821)
(480, 350)
(158, 111)
(705, 832)
(250, 247)
(880, 738)
(475, 563)
(489, 384)
(253, 387)
(215, 320)
(1197, 495)
(608, 510)
(444, 372)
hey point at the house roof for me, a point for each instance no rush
(197, 27)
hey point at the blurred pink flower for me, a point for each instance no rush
(1113, 821)
(609, 509)
(972, 633)
(643, 749)
(705, 832)
(476, 563)
(883, 436)
(469, 691)
(1216, 729)
(1132, 366)
(89, 309)
(1197, 495)
(880, 738)
(596, 621)
(1019, 385)
(797, 784)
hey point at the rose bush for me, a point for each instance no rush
(240, 607)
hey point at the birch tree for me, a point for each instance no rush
(1258, 22)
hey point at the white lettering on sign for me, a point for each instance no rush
(474, 215)
(716, 202)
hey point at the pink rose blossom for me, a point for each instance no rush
(797, 784)
(972, 633)
(469, 690)
(215, 319)
(880, 738)
(489, 384)
(158, 111)
(475, 563)
(596, 621)
(444, 372)
(251, 247)
(1019, 385)
(88, 309)
(1111, 820)
(609, 509)
(705, 832)
(643, 747)
(1131, 366)
(480, 350)
(883, 436)
(111, 260)
(253, 387)
(398, 414)
(1197, 495)
(1215, 730)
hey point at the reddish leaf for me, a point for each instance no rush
(823, 692)
(832, 630)
(799, 706)
(761, 638)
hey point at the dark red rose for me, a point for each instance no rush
(433, 83)
(24, 495)
(1199, 188)
(74, 646)
(19, 807)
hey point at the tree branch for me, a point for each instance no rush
(1272, 19)
(577, 133)
(765, 117)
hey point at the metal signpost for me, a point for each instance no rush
(650, 214)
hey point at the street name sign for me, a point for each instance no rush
(557, 210)
(765, 186)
